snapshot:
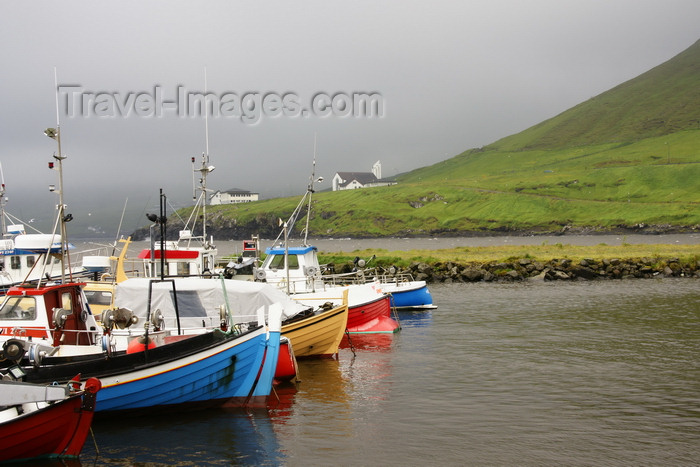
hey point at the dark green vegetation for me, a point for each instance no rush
(627, 159)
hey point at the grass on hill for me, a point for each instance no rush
(602, 186)
(628, 157)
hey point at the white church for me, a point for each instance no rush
(354, 180)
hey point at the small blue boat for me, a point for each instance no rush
(408, 294)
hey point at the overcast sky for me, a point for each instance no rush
(446, 76)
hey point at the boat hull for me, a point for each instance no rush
(372, 317)
(318, 335)
(56, 431)
(369, 309)
(287, 368)
(207, 369)
(405, 295)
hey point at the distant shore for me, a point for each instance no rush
(513, 259)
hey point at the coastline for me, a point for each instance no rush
(524, 269)
(512, 259)
(503, 258)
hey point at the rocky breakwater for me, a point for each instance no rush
(554, 270)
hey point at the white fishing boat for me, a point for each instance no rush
(297, 271)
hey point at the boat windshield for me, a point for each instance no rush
(18, 308)
(98, 297)
(278, 262)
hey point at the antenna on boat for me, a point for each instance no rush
(204, 170)
(3, 200)
(310, 190)
(119, 228)
(206, 116)
(163, 222)
(62, 218)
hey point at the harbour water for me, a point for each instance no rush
(580, 373)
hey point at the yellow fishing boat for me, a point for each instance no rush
(318, 335)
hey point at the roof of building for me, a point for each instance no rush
(362, 177)
(237, 190)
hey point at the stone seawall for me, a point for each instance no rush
(555, 269)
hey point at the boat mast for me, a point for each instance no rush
(205, 160)
(297, 210)
(204, 170)
(310, 190)
(3, 201)
(62, 218)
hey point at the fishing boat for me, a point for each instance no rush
(314, 329)
(296, 270)
(191, 255)
(406, 293)
(232, 365)
(45, 422)
(287, 368)
(29, 257)
(22, 256)
(319, 334)
(50, 334)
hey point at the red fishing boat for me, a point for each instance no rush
(39, 421)
(287, 368)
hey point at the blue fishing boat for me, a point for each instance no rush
(407, 294)
(49, 334)
(231, 366)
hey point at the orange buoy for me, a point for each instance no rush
(139, 344)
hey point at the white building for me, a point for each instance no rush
(233, 196)
(354, 180)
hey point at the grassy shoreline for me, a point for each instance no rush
(544, 252)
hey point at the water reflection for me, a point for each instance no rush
(221, 436)
(601, 373)
(381, 342)
(415, 318)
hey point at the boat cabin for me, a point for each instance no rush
(301, 263)
(21, 257)
(179, 262)
(52, 314)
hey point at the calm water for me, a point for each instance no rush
(584, 373)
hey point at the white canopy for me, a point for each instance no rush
(199, 300)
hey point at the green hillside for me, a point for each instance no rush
(628, 159)
(661, 101)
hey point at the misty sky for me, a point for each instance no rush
(451, 76)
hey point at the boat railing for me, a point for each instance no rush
(299, 284)
(22, 332)
(364, 276)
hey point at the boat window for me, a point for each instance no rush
(183, 269)
(30, 261)
(66, 301)
(98, 297)
(278, 262)
(15, 262)
(19, 308)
